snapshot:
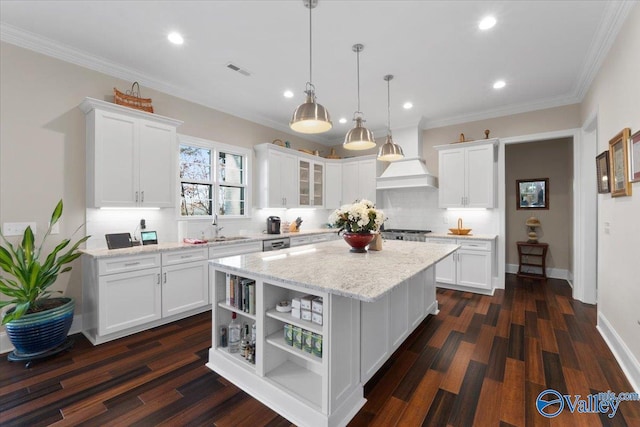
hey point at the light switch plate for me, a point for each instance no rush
(17, 228)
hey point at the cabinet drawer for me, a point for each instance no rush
(478, 245)
(300, 240)
(234, 249)
(185, 255)
(322, 237)
(113, 265)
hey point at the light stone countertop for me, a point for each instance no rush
(172, 246)
(458, 236)
(330, 267)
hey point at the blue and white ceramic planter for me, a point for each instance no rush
(38, 333)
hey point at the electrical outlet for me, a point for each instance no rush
(17, 228)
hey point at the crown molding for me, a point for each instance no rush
(507, 110)
(612, 20)
(45, 46)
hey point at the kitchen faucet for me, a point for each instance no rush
(216, 228)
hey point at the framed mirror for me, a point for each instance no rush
(532, 193)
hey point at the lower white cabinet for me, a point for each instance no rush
(308, 239)
(185, 281)
(386, 323)
(470, 267)
(128, 299)
(122, 295)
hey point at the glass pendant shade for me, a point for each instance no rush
(310, 117)
(359, 138)
(390, 151)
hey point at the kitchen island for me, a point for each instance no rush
(370, 304)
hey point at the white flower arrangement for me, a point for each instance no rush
(359, 217)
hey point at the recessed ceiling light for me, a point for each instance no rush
(407, 105)
(175, 38)
(499, 84)
(288, 94)
(342, 120)
(487, 22)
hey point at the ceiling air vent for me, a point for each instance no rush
(234, 67)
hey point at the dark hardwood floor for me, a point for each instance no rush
(481, 361)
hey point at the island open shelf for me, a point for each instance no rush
(368, 310)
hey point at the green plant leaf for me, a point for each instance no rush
(57, 213)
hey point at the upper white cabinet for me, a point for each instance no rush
(467, 175)
(277, 177)
(333, 185)
(359, 179)
(130, 156)
(310, 183)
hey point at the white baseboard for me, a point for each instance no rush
(6, 346)
(552, 273)
(628, 362)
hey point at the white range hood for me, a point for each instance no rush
(412, 170)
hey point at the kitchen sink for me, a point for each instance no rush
(226, 239)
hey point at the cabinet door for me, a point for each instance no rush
(274, 171)
(128, 299)
(474, 268)
(115, 175)
(318, 185)
(289, 180)
(184, 287)
(333, 185)
(446, 270)
(350, 184)
(157, 156)
(451, 178)
(479, 177)
(304, 182)
(367, 179)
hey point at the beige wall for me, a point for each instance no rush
(615, 97)
(42, 138)
(541, 159)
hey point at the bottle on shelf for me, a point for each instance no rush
(234, 334)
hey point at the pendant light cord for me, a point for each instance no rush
(310, 46)
(388, 78)
(358, 68)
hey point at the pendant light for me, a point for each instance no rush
(390, 151)
(359, 138)
(310, 117)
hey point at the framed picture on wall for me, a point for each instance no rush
(619, 164)
(602, 169)
(634, 152)
(532, 193)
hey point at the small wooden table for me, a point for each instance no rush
(532, 258)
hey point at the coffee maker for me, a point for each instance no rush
(273, 225)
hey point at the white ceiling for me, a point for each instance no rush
(546, 51)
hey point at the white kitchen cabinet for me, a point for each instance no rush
(234, 249)
(185, 281)
(277, 177)
(467, 174)
(333, 185)
(128, 294)
(130, 156)
(387, 322)
(471, 267)
(359, 179)
(307, 239)
(310, 183)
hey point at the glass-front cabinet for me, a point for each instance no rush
(310, 183)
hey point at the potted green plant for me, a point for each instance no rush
(36, 323)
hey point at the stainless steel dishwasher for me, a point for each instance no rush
(275, 244)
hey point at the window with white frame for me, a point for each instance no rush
(213, 179)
